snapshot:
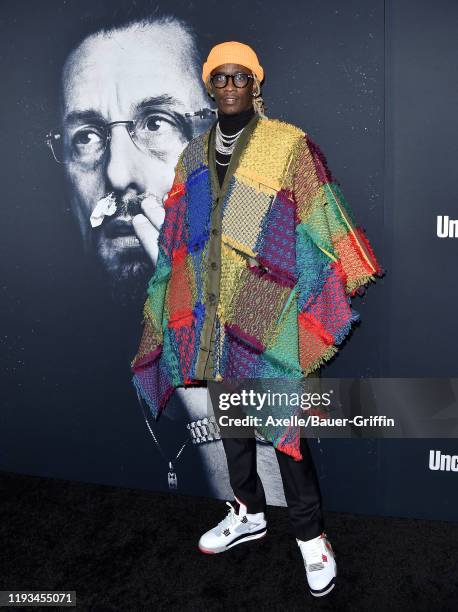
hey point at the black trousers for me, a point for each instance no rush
(300, 484)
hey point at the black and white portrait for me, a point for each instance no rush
(101, 98)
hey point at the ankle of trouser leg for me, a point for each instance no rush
(256, 510)
(308, 534)
(251, 508)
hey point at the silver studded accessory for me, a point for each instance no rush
(204, 430)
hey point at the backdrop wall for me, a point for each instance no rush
(372, 87)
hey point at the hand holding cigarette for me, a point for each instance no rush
(147, 225)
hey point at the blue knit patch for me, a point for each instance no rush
(312, 267)
(199, 196)
(276, 241)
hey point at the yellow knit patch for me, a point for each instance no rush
(189, 266)
(268, 154)
(232, 264)
(220, 344)
(257, 182)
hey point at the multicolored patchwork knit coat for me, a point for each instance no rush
(254, 279)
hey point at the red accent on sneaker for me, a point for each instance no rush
(324, 557)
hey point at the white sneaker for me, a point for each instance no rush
(320, 564)
(236, 528)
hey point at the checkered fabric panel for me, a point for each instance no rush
(258, 304)
(242, 223)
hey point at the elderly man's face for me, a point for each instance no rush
(146, 75)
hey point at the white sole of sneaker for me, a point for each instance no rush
(214, 551)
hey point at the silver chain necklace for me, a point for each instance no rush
(202, 431)
(171, 476)
(225, 144)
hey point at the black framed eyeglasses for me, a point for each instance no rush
(152, 133)
(239, 79)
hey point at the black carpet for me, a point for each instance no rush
(123, 549)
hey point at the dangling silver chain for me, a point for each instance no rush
(171, 475)
(225, 144)
(201, 431)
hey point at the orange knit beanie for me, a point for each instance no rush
(232, 53)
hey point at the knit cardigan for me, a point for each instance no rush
(291, 259)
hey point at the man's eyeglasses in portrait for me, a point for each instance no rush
(85, 143)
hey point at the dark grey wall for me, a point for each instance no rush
(375, 86)
(419, 308)
(421, 183)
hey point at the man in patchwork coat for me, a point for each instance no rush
(259, 256)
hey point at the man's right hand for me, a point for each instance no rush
(148, 224)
